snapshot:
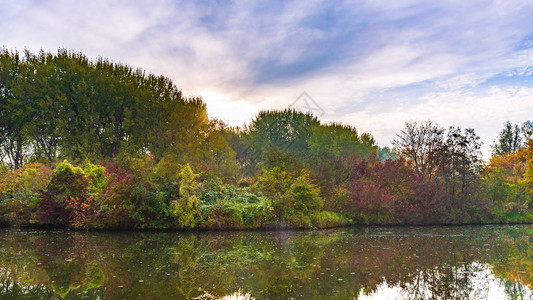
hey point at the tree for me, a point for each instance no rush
(274, 131)
(418, 145)
(451, 160)
(65, 105)
(508, 141)
(527, 131)
(338, 140)
(331, 146)
(14, 113)
(460, 160)
(386, 153)
(43, 97)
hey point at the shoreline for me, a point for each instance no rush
(264, 229)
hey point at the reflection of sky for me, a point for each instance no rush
(372, 64)
(484, 285)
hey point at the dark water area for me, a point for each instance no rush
(467, 262)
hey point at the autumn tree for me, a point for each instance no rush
(418, 144)
(459, 160)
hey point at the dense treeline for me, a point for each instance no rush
(65, 106)
(96, 144)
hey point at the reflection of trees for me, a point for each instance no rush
(12, 289)
(426, 263)
(449, 281)
(38, 263)
(514, 289)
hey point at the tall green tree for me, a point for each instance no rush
(509, 140)
(44, 102)
(277, 131)
(66, 106)
(14, 114)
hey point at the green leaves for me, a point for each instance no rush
(65, 106)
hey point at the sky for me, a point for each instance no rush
(372, 64)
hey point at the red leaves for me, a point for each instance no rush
(82, 210)
(392, 193)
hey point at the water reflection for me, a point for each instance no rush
(412, 263)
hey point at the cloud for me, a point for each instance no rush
(462, 81)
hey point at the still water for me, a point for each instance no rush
(471, 262)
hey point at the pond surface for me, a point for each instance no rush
(471, 262)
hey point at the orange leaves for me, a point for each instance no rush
(514, 165)
(82, 210)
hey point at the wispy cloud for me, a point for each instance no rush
(373, 64)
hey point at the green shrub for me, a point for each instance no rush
(274, 183)
(186, 207)
(31, 178)
(95, 173)
(20, 192)
(66, 202)
(326, 219)
(211, 192)
(294, 198)
(19, 208)
(65, 169)
(303, 196)
(260, 214)
(134, 192)
(225, 206)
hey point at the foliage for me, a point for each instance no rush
(295, 199)
(145, 156)
(224, 206)
(20, 191)
(100, 109)
(508, 183)
(509, 140)
(447, 161)
(96, 175)
(418, 144)
(527, 131)
(66, 200)
(185, 208)
(275, 131)
(386, 153)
